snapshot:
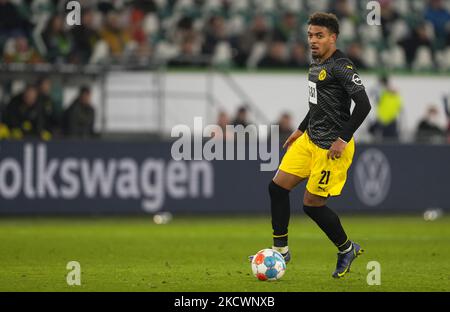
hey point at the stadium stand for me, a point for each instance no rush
(413, 34)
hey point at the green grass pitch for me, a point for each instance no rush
(210, 254)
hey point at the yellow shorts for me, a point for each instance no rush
(326, 177)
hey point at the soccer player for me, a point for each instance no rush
(321, 149)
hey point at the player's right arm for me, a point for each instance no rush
(297, 133)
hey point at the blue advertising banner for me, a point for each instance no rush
(98, 177)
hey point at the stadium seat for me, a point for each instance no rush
(443, 59)
(239, 6)
(100, 53)
(402, 6)
(370, 34)
(161, 4)
(222, 54)
(394, 57)
(236, 25)
(291, 5)
(9, 47)
(399, 30)
(318, 5)
(266, 6)
(418, 5)
(151, 24)
(347, 29)
(212, 6)
(183, 5)
(423, 59)
(169, 23)
(199, 24)
(165, 50)
(370, 56)
(257, 53)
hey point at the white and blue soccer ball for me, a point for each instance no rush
(268, 265)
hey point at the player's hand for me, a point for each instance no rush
(291, 139)
(336, 149)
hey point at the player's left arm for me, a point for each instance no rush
(346, 74)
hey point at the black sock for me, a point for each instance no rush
(281, 212)
(329, 222)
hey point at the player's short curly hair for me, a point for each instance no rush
(327, 20)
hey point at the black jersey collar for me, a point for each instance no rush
(336, 55)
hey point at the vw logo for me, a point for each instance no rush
(372, 177)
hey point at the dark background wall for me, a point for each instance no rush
(134, 178)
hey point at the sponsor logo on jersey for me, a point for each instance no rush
(356, 80)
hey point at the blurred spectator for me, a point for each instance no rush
(428, 129)
(184, 29)
(85, 38)
(257, 32)
(241, 117)
(438, 15)
(105, 6)
(130, 30)
(4, 131)
(222, 122)
(416, 39)
(276, 56)
(388, 16)
(299, 56)
(11, 21)
(79, 117)
(136, 26)
(389, 105)
(355, 54)
(286, 128)
(341, 8)
(47, 106)
(287, 31)
(140, 51)
(116, 36)
(21, 52)
(22, 115)
(57, 40)
(214, 34)
(188, 54)
(146, 6)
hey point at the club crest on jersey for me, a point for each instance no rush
(322, 75)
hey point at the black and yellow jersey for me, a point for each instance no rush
(331, 86)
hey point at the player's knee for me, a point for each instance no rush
(311, 200)
(275, 190)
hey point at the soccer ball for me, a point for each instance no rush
(268, 265)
